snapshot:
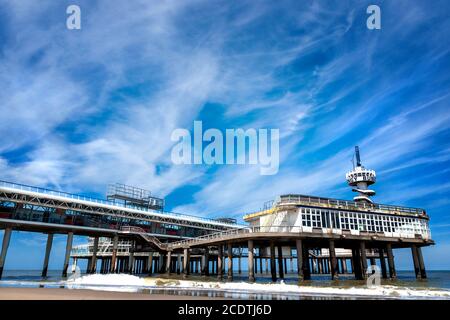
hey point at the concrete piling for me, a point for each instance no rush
(230, 261)
(67, 255)
(280, 262)
(5, 245)
(114, 253)
(94, 256)
(333, 261)
(220, 262)
(251, 275)
(48, 249)
(362, 246)
(391, 263)
(185, 262)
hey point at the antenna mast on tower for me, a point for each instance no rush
(360, 178)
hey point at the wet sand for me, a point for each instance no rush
(82, 294)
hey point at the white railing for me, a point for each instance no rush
(22, 187)
(309, 200)
(208, 237)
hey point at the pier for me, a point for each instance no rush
(131, 233)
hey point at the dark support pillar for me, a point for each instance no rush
(392, 272)
(416, 261)
(306, 268)
(67, 255)
(333, 260)
(239, 260)
(185, 262)
(230, 261)
(5, 245)
(168, 262)
(94, 256)
(251, 275)
(48, 249)
(179, 264)
(206, 265)
(88, 265)
(131, 260)
(356, 264)
(260, 261)
(382, 263)
(362, 246)
(220, 262)
(423, 273)
(273, 270)
(114, 254)
(280, 262)
(161, 263)
(299, 247)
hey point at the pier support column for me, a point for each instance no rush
(131, 261)
(299, 246)
(205, 267)
(220, 262)
(185, 262)
(382, 262)
(306, 268)
(423, 273)
(251, 275)
(416, 261)
(356, 264)
(333, 261)
(5, 245)
(48, 249)
(285, 266)
(362, 246)
(273, 270)
(67, 255)
(391, 263)
(160, 263)
(230, 261)
(168, 262)
(94, 256)
(260, 261)
(114, 254)
(150, 263)
(344, 265)
(280, 262)
(179, 263)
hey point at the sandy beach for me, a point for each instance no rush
(83, 294)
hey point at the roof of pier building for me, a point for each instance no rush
(298, 200)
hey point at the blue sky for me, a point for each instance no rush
(84, 108)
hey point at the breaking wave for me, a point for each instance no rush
(130, 283)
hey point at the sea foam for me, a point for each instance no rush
(130, 283)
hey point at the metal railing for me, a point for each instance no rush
(310, 200)
(143, 234)
(23, 187)
(208, 237)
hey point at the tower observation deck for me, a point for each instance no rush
(360, 178)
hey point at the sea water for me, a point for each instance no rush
(436, 286)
